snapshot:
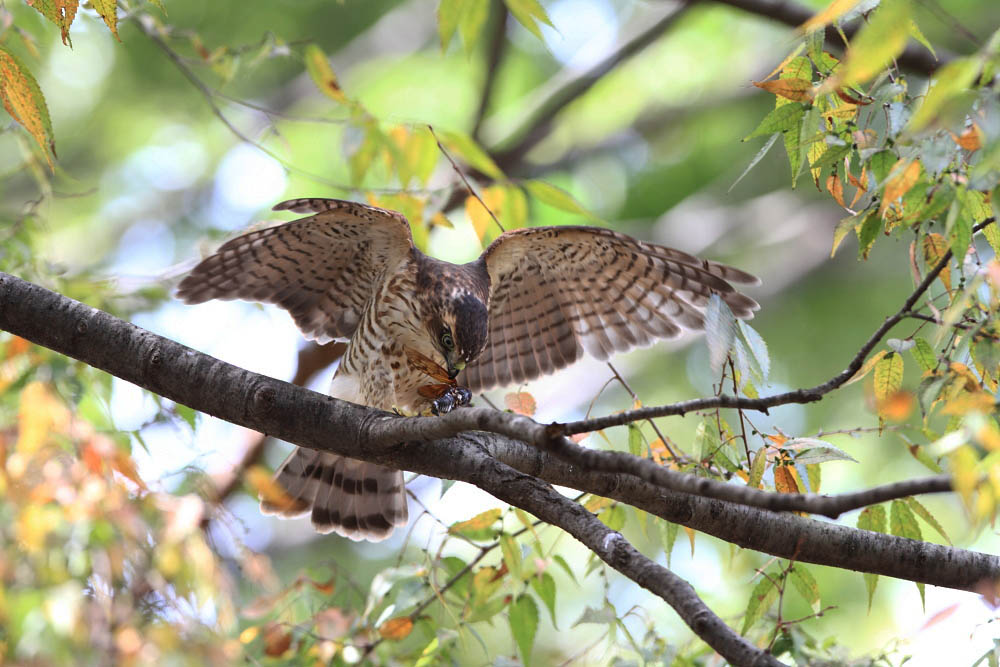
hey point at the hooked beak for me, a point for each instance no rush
(455, 368)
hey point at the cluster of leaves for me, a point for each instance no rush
(95, 566)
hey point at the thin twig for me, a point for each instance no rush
(652, 423)
(461, 175)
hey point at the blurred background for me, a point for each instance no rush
(203, 117)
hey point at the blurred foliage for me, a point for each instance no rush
(125, 147)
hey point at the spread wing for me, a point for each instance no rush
(322, 269)
(557, 292)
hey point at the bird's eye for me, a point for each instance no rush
(447, 342)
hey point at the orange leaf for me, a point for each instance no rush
(836, 188)
(521, 403)
(659, 451)
(940, 616)
(277, 640)
(902, 177)
(396, 628)
(970, 139)
(797, 90)
(897, 406)
(124, 464)
(784, 480)
(16, 347)
(979, 401)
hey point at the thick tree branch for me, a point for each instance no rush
(308, 419)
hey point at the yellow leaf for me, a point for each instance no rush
(249, 634)
(934, 247)
(39, 413)
(322, 74)
(476, 524)
(834, 11)
(888, 376)
(836, 188)
(596, 503)
(521, 403)
(659, 451)
(272, 494)
(963, 404)
(690, 534)
(108, 9)
(880, 40)
(23, 100)
(797, 90)
(396, 628)
(480, 217)
(866, 369)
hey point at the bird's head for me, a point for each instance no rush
(460, 329)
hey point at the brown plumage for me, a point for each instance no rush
(535, 301)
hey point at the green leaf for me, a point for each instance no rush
(868, 232)
(545, 587)
(760, 359)
(464, 147)
(763, 596)
(903, 522)
(842, 229)
(720, 331)
(813, 450)
(918, 35)
(635, 441)
(805, 584)
(925, 514)
(872, 518)
(529, 13)
(784, 118)
(523, 615)
(557, 198)
(758, 157)
(992, 233)
(561, 562)
(606, 615)
(888, 375)
(950, 82)
(923, 353)
(467, 16)
(880, 40)
(511, 551)
(959, 230)
(670, 531)
(757, 468)
(189, 415)
(815, 476)
(831, 156)
(613, 517)
(881, 164)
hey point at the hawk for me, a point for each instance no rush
(535, 301)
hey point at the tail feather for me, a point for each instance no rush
(361, 501)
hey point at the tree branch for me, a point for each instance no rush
(914, 58)
(308, 419)
(497, 45)
(539, 124)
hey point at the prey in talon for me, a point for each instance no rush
(444, 392)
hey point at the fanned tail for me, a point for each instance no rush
(359, 500)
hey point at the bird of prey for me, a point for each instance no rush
(535, 301)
